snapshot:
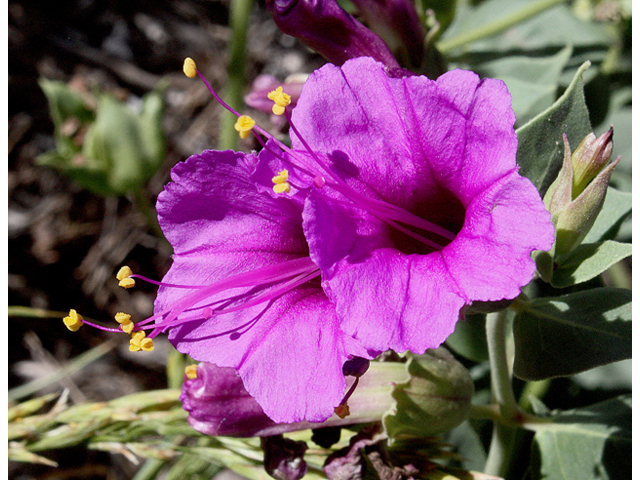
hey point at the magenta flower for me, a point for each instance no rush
(423, 211)
(399, 204)
(241, 291)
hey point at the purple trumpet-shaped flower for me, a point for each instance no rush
(325, 27)
(241, 291)
(423, 211)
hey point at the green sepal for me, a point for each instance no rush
(435, 399)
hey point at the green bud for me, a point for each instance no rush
(436, 398)
(576, 197)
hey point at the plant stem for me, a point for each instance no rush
(498, 26)
(239, 21)
(502, 393)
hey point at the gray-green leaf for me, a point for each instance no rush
(592, 443)
(588, 261)
(540, 145)
(564, 335)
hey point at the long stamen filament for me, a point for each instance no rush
(384, 211)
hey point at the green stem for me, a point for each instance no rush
(502, 392)
(498, 26)
(239, 22)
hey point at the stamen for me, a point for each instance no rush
(189, 67)
(73, 321)
(124, 319)
(281, 184)
(280, 99)
(191, 371)
(124, 275)
(244, 125)
(140, 342)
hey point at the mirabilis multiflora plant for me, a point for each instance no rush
(398, 204)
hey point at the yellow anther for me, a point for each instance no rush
(282, 177)
(244, 125)
(73, 321)
(123, 273)
(280, 99)
(146, 345)
(123, 317)
(127, 327)
(281, 184)
(135, 344)
(127, 283)
(138, 335)
(190, 371)
(282, 187)
(189, 67)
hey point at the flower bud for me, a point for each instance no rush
(326, 28)
(576, 197)
(590, 158)
(435, 399)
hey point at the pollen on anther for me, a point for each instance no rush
(280, 181)
(73, 321)
(189, 67)
(123, 276)
(124, 319)
(191, 371)
(280, 99)
(244, 125)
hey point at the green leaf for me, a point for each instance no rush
(592, 443)
(470, 338)
(560, 336)
(540, 145)
(588, 261)
(533, 82)
(616, 209)
(64, 103)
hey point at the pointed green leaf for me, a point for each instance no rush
(588, 261)
(564, 335)
(592, 443)
(540, 145)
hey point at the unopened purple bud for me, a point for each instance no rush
(283, 458)
(326, 28)
(589, 158)
(397, 22)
